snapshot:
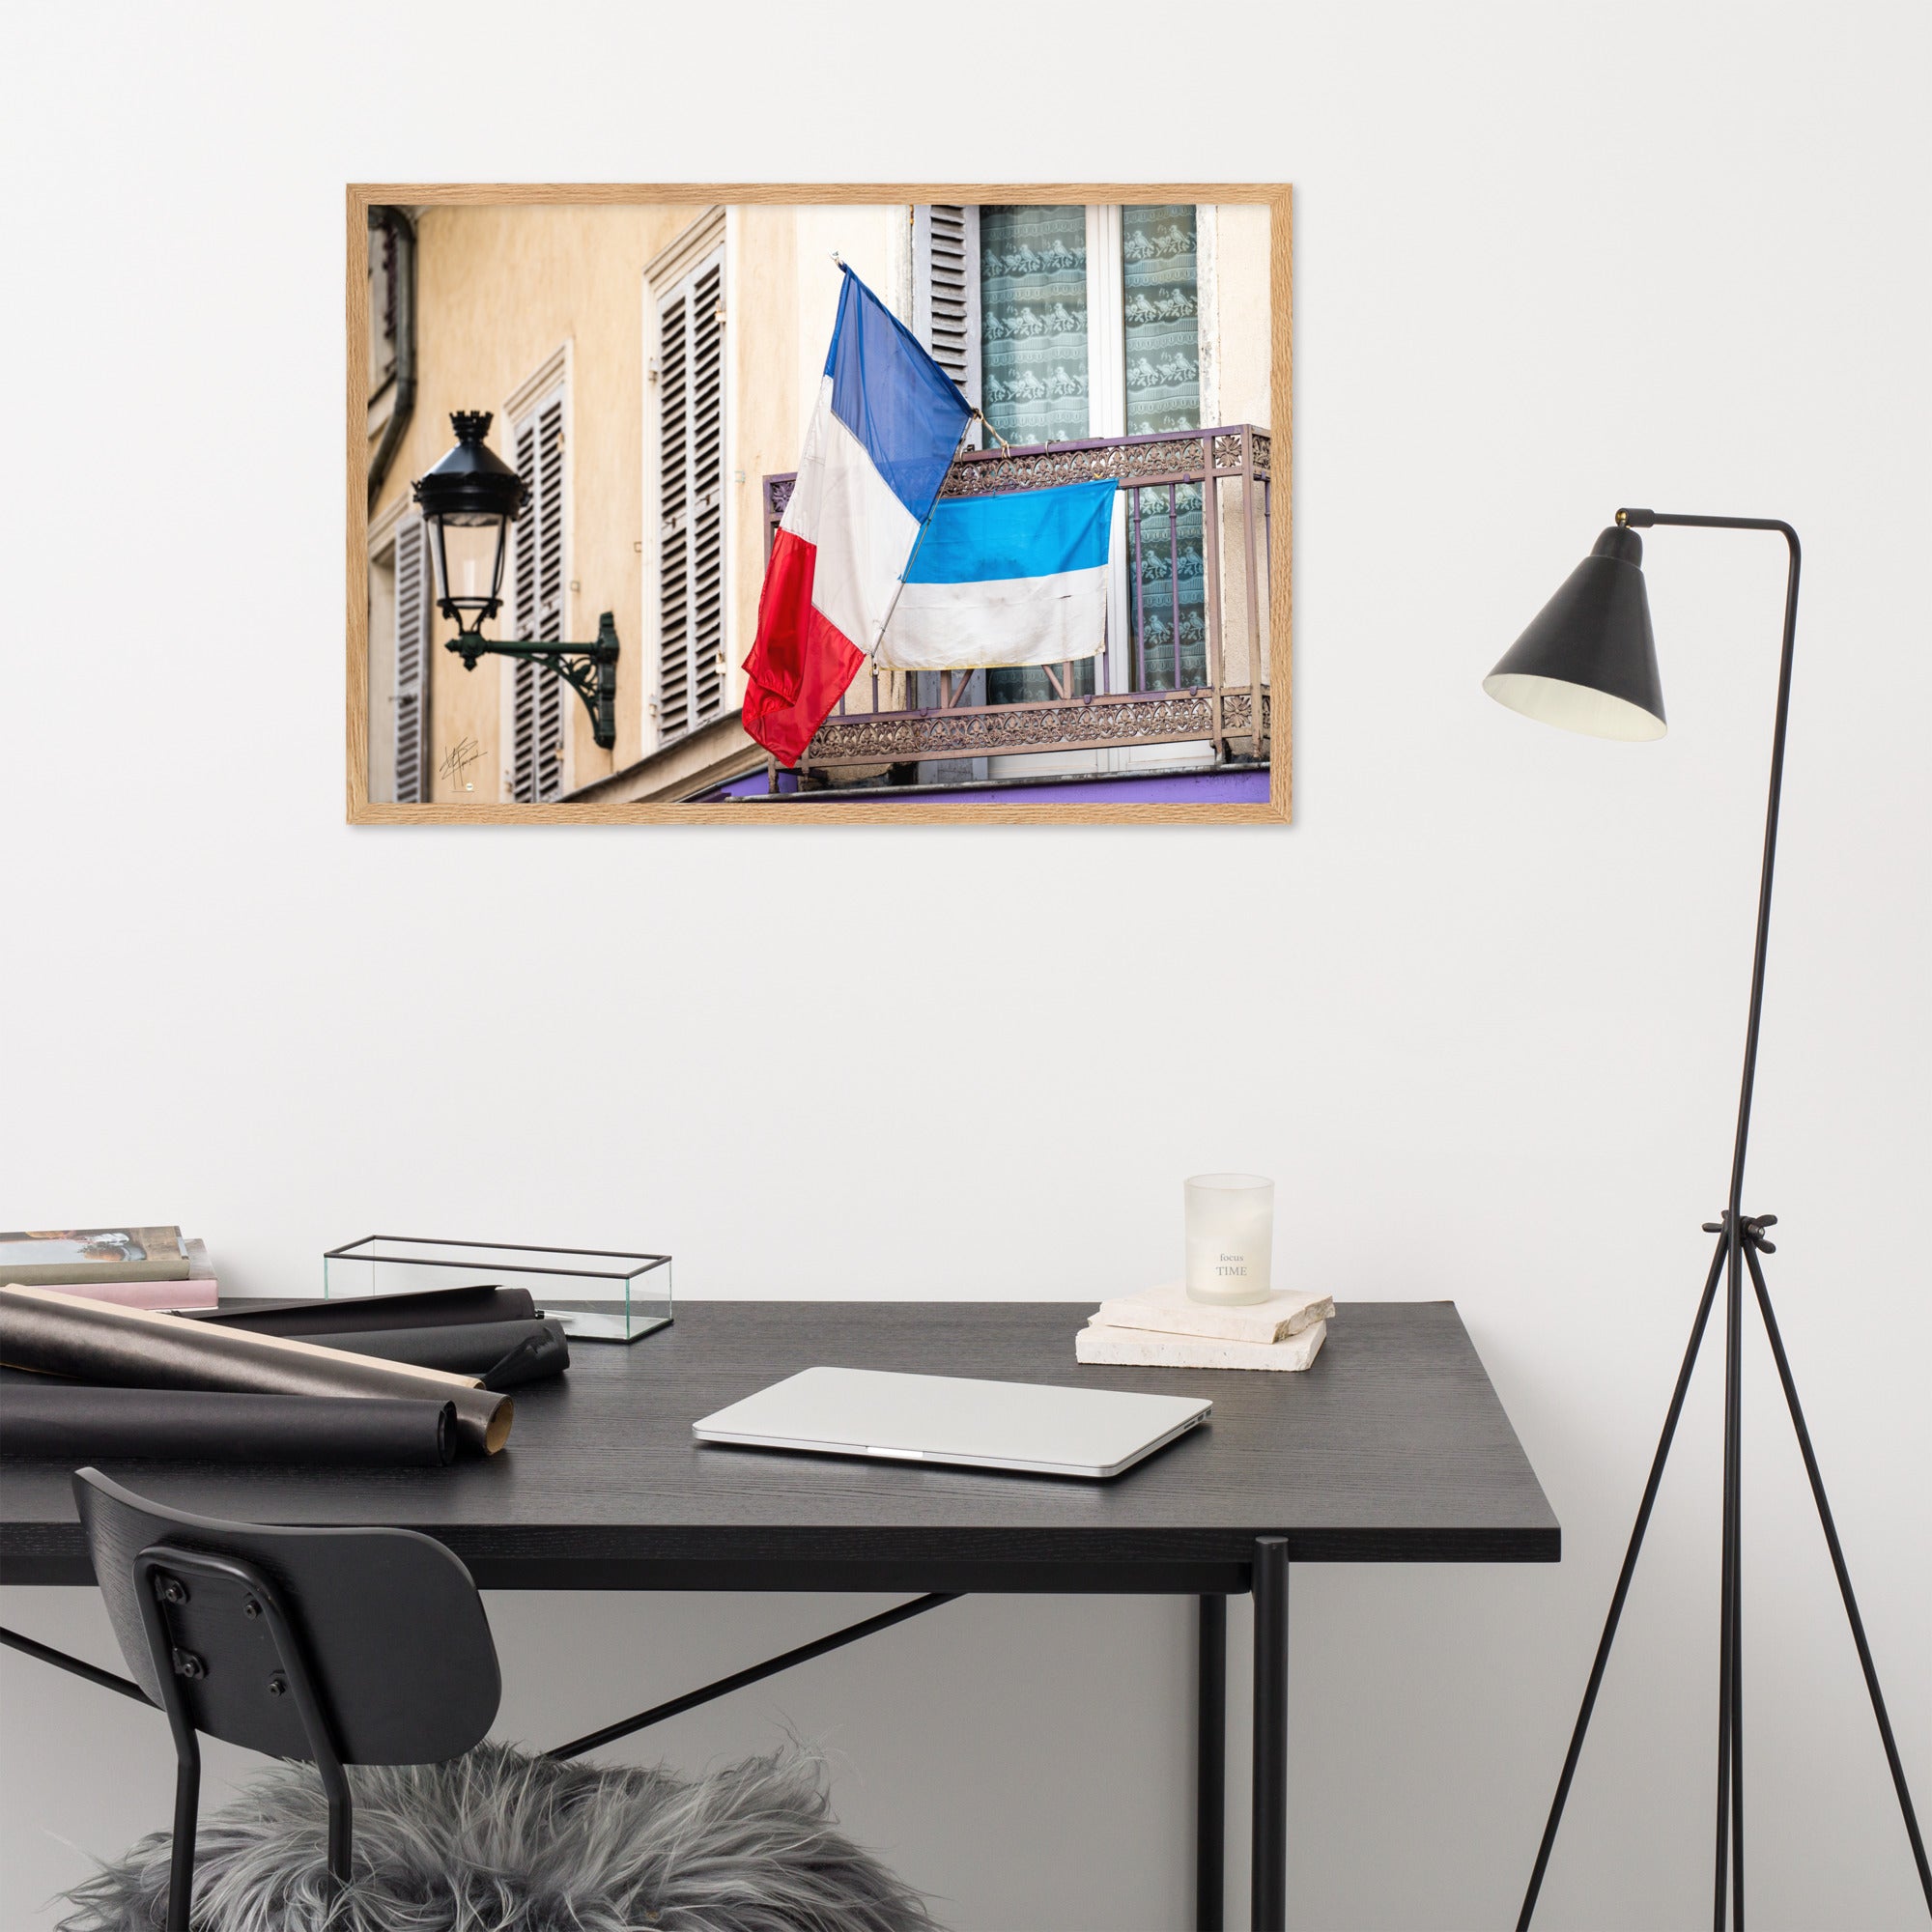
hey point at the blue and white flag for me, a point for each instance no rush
(1018, 578)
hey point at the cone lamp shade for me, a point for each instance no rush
(1588, 661)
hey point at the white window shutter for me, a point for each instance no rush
(538, 715)
(690, 500)
(549, 522)
(708, 486)
(414, 600)
(946, 293)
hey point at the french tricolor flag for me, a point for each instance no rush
(885, 432)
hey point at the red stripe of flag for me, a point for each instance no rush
(799, 665)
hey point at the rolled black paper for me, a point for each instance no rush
(138, 1348)
(524, 1363)
(71, 1424)
(363, 1314)
(466, 1347)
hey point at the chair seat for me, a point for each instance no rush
(499, 1841)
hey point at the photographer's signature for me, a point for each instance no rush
(458, 759)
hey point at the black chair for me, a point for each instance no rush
(370, 1647)
(329, 1647)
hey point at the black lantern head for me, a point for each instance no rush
(1588, 661)
(469, 502)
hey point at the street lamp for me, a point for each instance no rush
(469, 502)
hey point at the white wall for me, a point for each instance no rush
(1549, 260)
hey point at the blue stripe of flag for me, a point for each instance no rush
(902, 407)
(1021, 534)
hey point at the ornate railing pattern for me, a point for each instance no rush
(1214, 711)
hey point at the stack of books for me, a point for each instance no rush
(1162, 1328)
(131, 1267)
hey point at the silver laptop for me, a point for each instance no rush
(1044, 1432)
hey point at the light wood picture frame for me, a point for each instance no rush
(1262, 492)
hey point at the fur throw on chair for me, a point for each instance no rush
(495, 1841)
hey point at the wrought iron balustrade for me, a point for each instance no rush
(1183, 532)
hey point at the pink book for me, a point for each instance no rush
(159, 1294)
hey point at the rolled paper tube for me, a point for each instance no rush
(363, 1314)
(465, 1349)
(135, 1347)
(68, 1423)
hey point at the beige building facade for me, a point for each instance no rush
(648, 367)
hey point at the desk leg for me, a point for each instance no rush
(1210, 1767)
(1269, 1876)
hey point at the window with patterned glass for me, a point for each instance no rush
(1166, 605)
(1032, 322)
(1161, 291)
(1160, 325)
(1037, 364)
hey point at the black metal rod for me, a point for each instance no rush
(341, 1836)
(1210, 1768)
(1269, 1877)
(739, 1679)
(305, 1688)
(1642, 519)
(180, 1853)
(1622, 1591)
(1729, 1771)
(1844, 1576)
(1762, 939)
(1736, 1435)
(1730, 1697)
(61, 1660)
(148, 1574)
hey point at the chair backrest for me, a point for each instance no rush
(391, 1629)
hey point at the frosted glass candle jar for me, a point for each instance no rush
(1230, 1236)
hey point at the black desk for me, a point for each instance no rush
(1391, 1448)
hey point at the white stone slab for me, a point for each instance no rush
(1168, 1310)
(1142, 1347)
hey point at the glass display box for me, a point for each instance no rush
(598, 1295)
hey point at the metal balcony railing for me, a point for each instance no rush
(1197, 616)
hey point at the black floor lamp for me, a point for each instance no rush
(1589, 663)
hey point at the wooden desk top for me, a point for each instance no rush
(1392, 1447)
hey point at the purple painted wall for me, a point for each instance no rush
(1129, 788)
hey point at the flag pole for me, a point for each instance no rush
(912, 554)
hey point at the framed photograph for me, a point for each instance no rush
(802, 505)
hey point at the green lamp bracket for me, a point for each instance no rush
(589, 669)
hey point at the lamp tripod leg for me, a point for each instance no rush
(1729, 1880)
(1737, 1461)
(1843, 1575)
(1622, 1590)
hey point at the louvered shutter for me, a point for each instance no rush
(690, 500)
(946, 293)
(946, 318)
(414, 602)
(538, 715)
